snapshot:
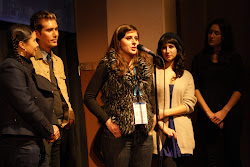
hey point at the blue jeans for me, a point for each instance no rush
(22, 152)
(126, 151)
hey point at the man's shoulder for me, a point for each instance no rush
(55, 57)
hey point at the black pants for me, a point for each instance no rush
(126, 151)
(168, 161)
(53, 152)
(222, 147)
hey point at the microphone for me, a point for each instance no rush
(144, 49)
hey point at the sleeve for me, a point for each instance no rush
(54, 120)
(195, 70)
(189, 98)
(62, 85)
(15, 88)
(92, 91)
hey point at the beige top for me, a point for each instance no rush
(183, 93)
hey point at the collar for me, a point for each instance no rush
(42, 54)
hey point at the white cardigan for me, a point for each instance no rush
(183, 93)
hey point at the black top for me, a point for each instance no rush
(217, 81)
(94, 87)
(22, 98)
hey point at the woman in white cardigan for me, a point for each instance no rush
(176, 99)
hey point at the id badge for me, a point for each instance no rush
(140, 113)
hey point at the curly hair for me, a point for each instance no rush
(178, 65)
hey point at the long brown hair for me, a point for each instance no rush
(121, 63)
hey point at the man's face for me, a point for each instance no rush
(49, 34)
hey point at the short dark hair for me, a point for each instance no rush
(35, 20)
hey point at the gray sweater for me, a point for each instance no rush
(183, 93)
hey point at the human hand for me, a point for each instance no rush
(168, 131)
(221, 125)
(113, 128)
(210, 115)
(55, 135)
(219, 116)
(68, 125)
(70, 119)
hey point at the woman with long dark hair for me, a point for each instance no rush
(176, 100)
(26, 104)
(217, 72)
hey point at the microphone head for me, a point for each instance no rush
(140, 47)
(144, 49)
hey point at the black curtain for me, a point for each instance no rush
(67, 51)
(3, 39)
(77, 153)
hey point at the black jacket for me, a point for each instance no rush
(26, 101)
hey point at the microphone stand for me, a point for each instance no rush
(144, 49)
(157, 113)
(156, 107)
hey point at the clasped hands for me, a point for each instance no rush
(217, 118)
(55, 135)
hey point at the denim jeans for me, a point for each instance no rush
(126, 151)
(53, 152)
(22, 152)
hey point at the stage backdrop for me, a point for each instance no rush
(20, 11)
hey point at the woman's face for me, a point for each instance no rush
(169, 52)
(214, 36)
(31, 46)
(128, 44)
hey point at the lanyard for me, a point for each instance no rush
(136, 86)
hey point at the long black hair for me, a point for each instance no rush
(17, 33)
(178, 65)
(227, 45)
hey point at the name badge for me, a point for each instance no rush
(140, 113)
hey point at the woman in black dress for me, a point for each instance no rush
(217, 72)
